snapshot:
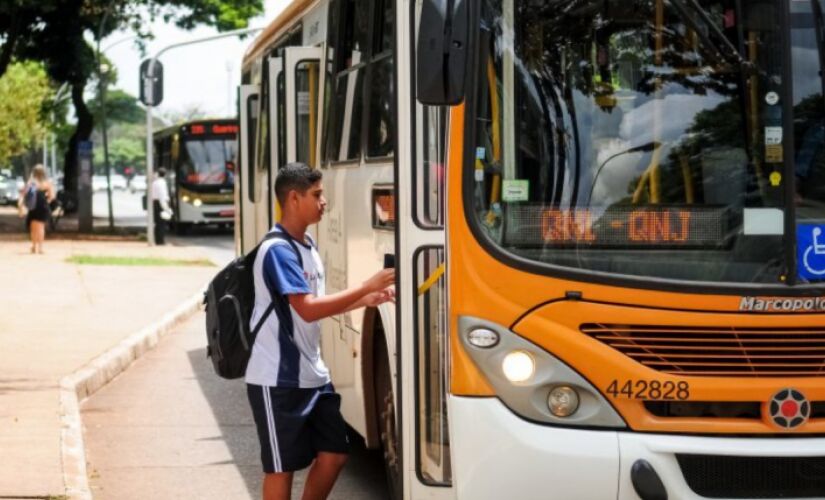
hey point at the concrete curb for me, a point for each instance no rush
(89, 379)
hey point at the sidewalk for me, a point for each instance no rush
(170, 428)
(56, 317)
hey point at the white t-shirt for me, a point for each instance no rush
(160, 191)
(287, 350)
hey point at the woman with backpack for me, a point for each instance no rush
(35, 197)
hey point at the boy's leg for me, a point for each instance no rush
(277, 486)
(323, 474)
(285, 446)
(329, 436)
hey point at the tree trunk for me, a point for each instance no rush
(82, 132)
(8, 48)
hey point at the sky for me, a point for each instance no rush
(203, 76)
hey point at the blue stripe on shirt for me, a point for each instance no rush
(284, 276)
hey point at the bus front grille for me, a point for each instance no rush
(712, 476)
(718, 351)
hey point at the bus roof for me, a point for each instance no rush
(279, 26)
(206, 122)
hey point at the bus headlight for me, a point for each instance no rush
(532, 382)
(482, 337)
(518, 366)
(197, 202)
(185, 198)
(563, 401)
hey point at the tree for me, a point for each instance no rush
(55, 32)
(24, 94)
(192, 111)
(120, 107)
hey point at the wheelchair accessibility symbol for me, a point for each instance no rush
(810, 251)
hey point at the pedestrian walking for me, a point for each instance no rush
(296, 410)
(34, 200)
(160, 206)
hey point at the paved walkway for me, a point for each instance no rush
(169, 427)
(56, 317)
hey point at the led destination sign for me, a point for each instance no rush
(616, 227)
(217, 128)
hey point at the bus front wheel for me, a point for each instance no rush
(183, 228)
(385, 403)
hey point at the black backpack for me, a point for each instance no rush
(230, 300)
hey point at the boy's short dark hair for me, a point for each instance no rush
(161, 172)
(295, 176)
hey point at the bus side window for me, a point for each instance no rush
(350, 51)
(262, 153)
(432, 341)
(431, 154)
(381, 109)
(333, 37)
(430, 163)
(252, 126)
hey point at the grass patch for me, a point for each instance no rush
(107, 260)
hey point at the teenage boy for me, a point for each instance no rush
(296, 410)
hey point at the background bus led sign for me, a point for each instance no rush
(224, 129)
(667, 227)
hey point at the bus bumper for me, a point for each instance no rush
(496, 454)
(206, 214)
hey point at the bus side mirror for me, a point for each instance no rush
(442, 52)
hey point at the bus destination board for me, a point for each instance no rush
(616, 227)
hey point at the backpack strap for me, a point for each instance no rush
(276, 235)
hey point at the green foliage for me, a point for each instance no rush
(24, 94)
(107, 260)
(127, 147)
(120, 107)
(58, 33)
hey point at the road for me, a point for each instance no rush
(218, 244)
(128, 211)
(126, 206)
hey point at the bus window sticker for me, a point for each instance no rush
(515, 190)
(810, 248)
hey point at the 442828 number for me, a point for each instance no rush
(649, 390)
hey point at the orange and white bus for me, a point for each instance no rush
(607, 220)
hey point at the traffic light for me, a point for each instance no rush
(151, 88)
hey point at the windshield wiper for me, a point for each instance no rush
(727, 50)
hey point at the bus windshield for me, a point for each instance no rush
(209, 162)
(651, 138)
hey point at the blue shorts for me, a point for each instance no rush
(295, 424)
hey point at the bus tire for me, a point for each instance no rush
(385, 405)
(183, 228)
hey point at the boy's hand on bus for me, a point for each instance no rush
(375, 299)
(380, 280)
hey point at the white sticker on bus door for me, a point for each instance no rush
(303, 103)
(515, 190)
(763, 222)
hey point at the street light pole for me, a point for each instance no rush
(103, 126)
(148, 85)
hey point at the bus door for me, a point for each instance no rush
(304, 79)
(423, 341)
(246, 211)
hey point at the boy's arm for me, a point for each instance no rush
(311, 308)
